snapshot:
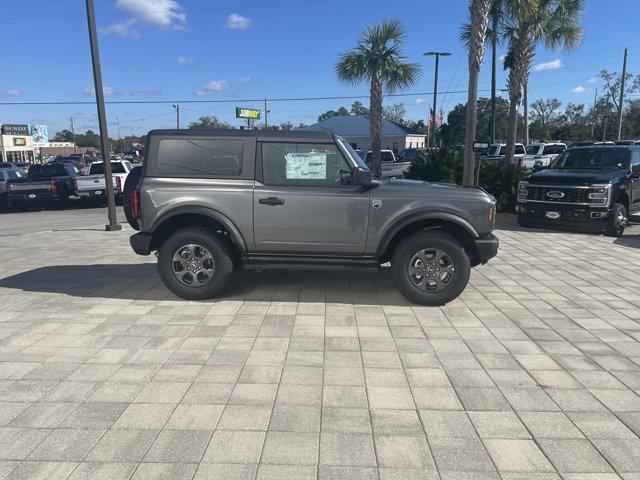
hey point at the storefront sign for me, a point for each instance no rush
(12, 129)
(19, 142)
(250, 113)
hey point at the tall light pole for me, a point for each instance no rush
(177, 109)
(432, 120)
(622, 83)
(102, 118)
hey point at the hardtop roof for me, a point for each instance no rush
(261, 135)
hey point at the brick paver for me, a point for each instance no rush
(534, 372)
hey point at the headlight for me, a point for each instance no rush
(599, 194)
(523, 191)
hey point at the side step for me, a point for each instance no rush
(308, 262)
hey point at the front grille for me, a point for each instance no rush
(571, 194)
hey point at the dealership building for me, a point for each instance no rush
(355, 129)
(20, 143)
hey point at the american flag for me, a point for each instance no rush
(436, 121)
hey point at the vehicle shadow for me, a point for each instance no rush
(142, 282)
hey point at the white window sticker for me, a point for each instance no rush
(306, 166)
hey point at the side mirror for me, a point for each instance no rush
(362, 177)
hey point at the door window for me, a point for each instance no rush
(635, 161)
(304, 164)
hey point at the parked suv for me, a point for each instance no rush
(212, 201)
(590, 189)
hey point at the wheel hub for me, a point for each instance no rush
(431, 269)
(193, 265)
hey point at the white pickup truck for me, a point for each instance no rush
(93, 186)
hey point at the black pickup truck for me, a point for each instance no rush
(48, 183)
(589, 189)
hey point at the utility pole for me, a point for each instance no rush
(593, 124)
(102, 118)
(118, 128)
(177, 109)
(526, 114)
(266, 114)
(432, 119)
(621, 104)
(73, 133)
(494, 49)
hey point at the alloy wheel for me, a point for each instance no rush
(431, 269)
(193, 265)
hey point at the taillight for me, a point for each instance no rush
(119, 184)
(54, 185)
(134, 207)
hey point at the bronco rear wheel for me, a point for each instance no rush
(430, 268)
(195, 263)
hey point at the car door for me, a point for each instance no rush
(304, 201)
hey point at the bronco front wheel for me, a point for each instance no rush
(430, 268)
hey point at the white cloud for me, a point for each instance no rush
(578, 90)
(122, 29)
(160, 13)
(185, 60)
(212, 86)
(106, 89)
(552, 65)
(502, 57)
(592, 80)
(235, 21)
(420, 101)
(11, 93)
(245, 79)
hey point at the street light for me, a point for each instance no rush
(177, 108)
(431, 121)
(102, 118)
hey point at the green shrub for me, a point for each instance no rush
(501, 181)
(442, 165)
(445, 165)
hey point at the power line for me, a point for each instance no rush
(235, 100)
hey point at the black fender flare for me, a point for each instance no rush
(417, 217)
(234, 233)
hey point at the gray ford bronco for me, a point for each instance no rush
(212, 201)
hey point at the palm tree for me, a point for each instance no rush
(527, 23)
(474, 34)
(378, 60)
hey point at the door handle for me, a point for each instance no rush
(271, 201)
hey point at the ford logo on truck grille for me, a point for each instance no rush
(555, 194)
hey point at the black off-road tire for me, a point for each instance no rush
(413, 244)
(614, 227)
(215, 244)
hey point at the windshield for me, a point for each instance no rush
(592, 159)
(493, 150)
(533, 149)
(356, 158)
(98, 168)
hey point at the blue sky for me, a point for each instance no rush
(241, 49)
